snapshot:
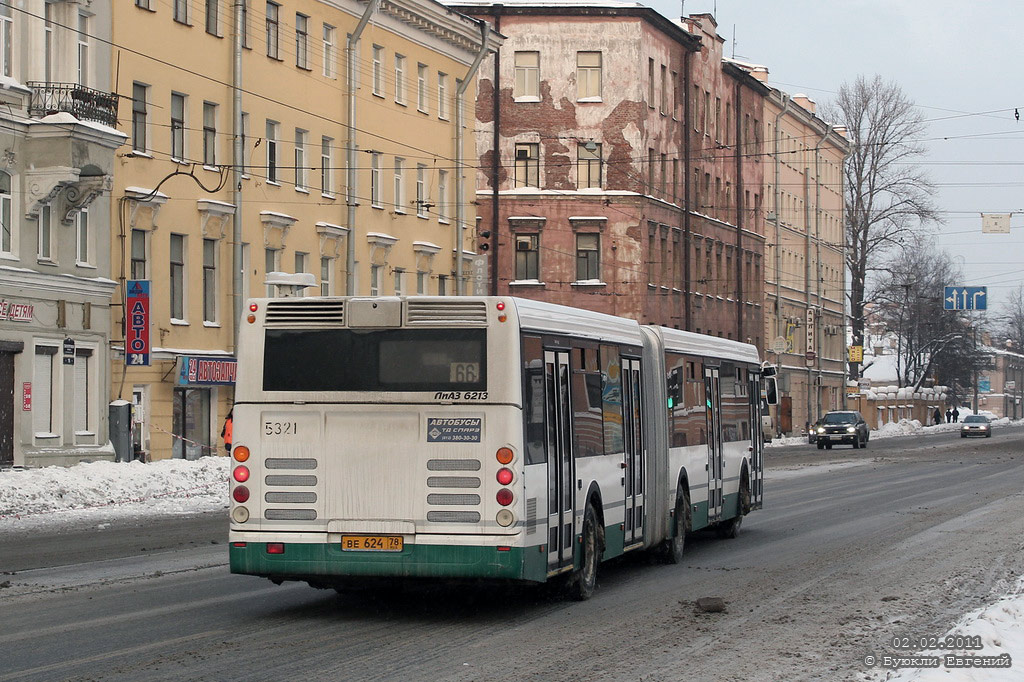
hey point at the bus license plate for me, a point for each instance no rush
(371, 543)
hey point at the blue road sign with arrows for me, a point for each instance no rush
(965, 298)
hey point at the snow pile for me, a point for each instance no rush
(904, 427)
(171, 486)
(1001, 628)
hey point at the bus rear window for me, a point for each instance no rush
(378, 360)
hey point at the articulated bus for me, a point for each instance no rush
(489, 438)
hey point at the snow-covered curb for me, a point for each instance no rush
(904, 427)
(1001, 629)
(101, 489)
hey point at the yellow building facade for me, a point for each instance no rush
(256, 146)
(805, 285)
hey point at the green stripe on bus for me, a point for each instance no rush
(313, 560)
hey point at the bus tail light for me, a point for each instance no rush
(241, 453)
(504, 518)
(241, 474)
(240, 494)
(239, 514)
(253, 307)
(504, 455)
(505, 476)
(251, 318)
(504, 497)
(275, 548)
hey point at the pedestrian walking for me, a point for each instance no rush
(937, 417)
(949, 415)
(956, 415)
(225, 432)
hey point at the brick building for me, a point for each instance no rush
(612, 168)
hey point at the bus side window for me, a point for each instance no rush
(533, 399)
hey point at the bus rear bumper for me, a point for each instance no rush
(304, 560)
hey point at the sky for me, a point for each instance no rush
(958, 61)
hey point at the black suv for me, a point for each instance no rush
(844, 426)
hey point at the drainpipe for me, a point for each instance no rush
(817, 248)
(238, 153)
(460, 181)
(811, 418)
(350, 193)
(786, 101)
(496, 154)
(688, 206)
(740, 209)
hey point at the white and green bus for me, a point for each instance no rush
(489, 438)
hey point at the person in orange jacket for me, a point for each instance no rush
(225, 432)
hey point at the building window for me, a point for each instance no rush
(44, 390)
(209, 134)
(588, 75)
(527, 75)
(399, 282)
(83, 245)
(181, 11)
(587, 258)
(374, 280)
(273, 29)
(45, 250)
(442, 196)
(399, 79)
(244, 7)
(663, 107)
(301, 41)
(139, 123)
(177, 126)
(138, 254)
(144, 4)
(6, 38)
(190, 423)
(326, 280)
(177, 283)
(213, 17)
(421, 282)
(588, 165)
(375, 180)
(83, 50)
(300, 266)
(209, 280)
(271, 263)
(300, 159)
(399, 185)
(378, 70)
(422, 201)
(49, 59)
(84, 410)
(246, 152)
(421, 87)
(329, 53)
(527, 257)
(272, 151)
(650, 82)
(326, 166)
(6, 215)
(442, 95)
(527, 168)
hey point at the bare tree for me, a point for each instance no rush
(888, 199)
(929, 340)
(1011, 322)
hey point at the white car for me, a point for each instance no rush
(976, 425)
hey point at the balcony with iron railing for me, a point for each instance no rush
(81, 102)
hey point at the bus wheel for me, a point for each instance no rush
(673, 547)
(731, 529)
(584, 579)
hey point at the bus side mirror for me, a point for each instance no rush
(771, 391)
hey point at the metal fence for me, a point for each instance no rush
(81, 102)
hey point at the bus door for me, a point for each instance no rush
(635, 454)
(756, 442)
(560, 461)
(713, 405)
